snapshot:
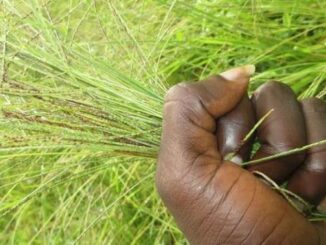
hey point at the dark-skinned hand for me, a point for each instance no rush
(215, 201)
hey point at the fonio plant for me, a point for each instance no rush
(82, 87)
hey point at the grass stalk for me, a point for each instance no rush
(285, 153)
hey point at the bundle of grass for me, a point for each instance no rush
(82, 87)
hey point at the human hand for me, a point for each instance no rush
(215, 201)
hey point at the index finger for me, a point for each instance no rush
(283, 130)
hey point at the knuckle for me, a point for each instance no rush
(272, 87)
(174, 92)
(311, 101)
(184, 100)
(187, 102)
(179, 92)
(313, 104)
(275, 84)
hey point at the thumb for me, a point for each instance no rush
(237, 80)
(239, 73)
(218, 94)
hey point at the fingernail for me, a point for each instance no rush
(250, 69)
(237, 159)
(240, 73)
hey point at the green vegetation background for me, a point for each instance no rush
(82, 85)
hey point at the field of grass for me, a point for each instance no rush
(81, 91)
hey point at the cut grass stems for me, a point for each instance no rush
(81, 95)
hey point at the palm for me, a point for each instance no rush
(234, 207)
